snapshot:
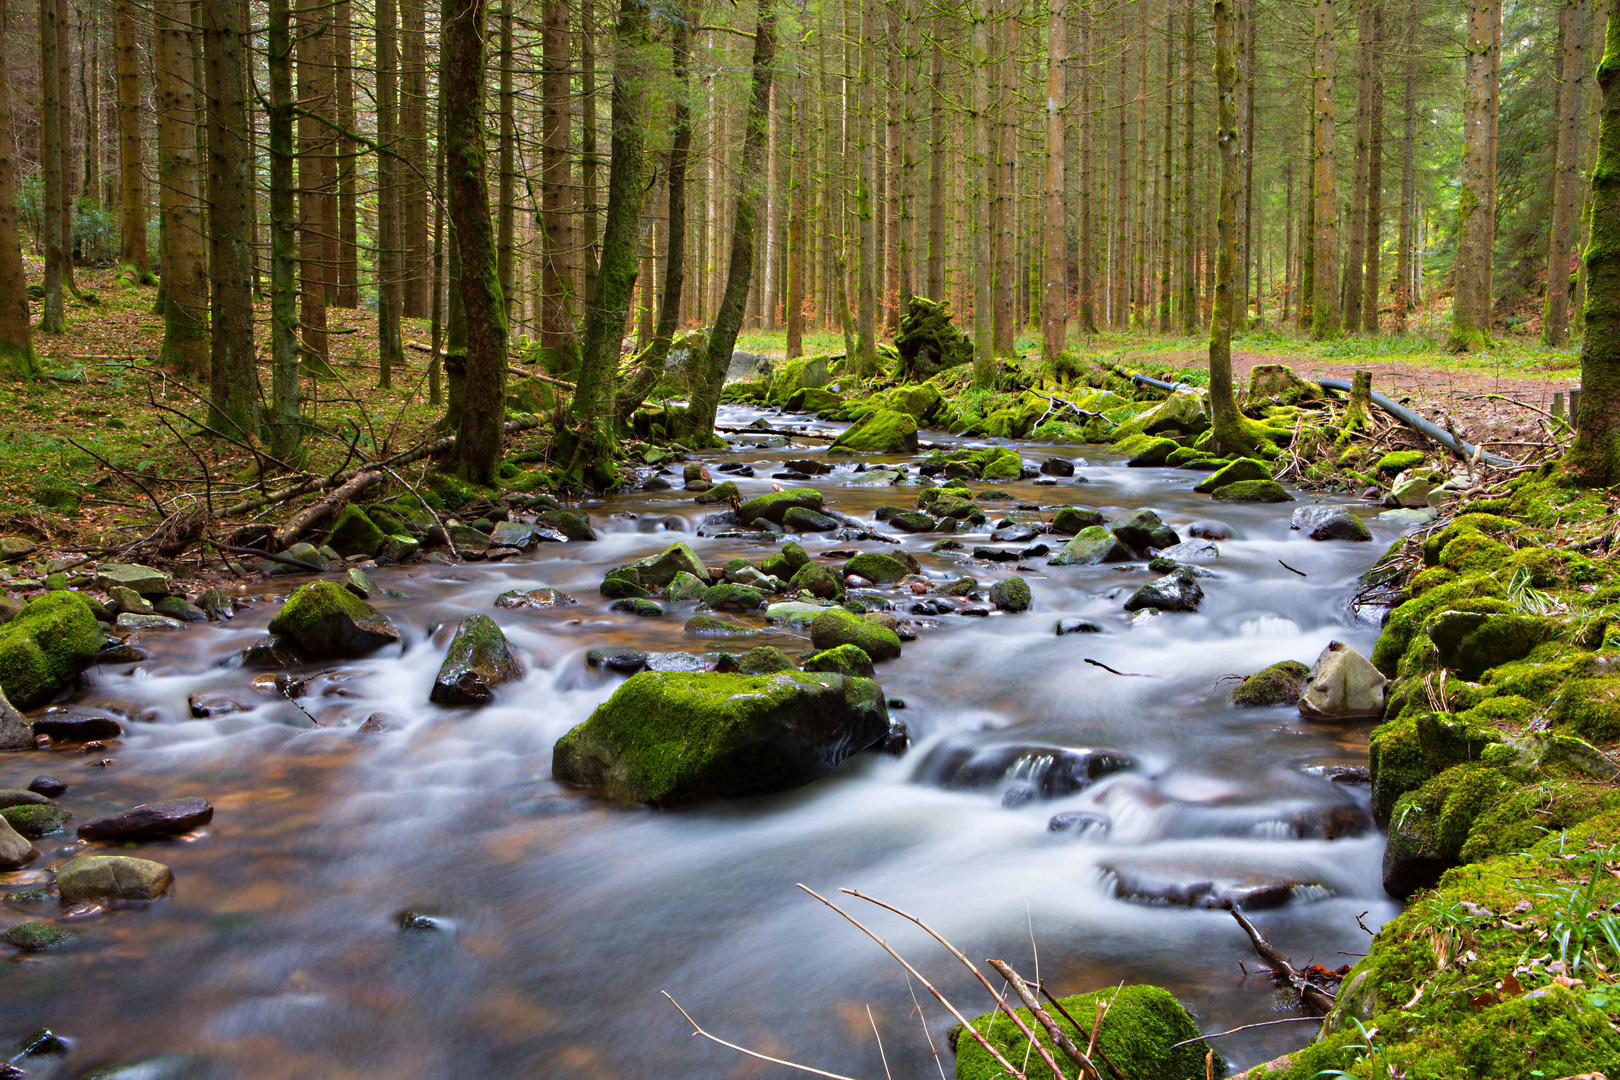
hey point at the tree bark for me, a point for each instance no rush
(590, 253)
(1594, 458)
(17, 360)
(1167, 160)
(390, 226)
(1356, 245)
(1189, 250)
(1119, 294)
(938, 166)
(418, 255)
(185, 280)
(285, 433)
(797, 237)
(346, 272)
(1054, 259)
(1402, 300)
(233, 375)
(1375, 182)
(1230, 436)
(1085, 254)
(506, 219)
(1566, 175)
(53, 318)
(1324, 215)
(556, 176)
(983, 311)
(866, 153)
(314, 180)
(1470, 312)
(132, 185)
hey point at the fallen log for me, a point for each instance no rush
(319, 511)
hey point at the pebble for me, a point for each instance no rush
(48, 786)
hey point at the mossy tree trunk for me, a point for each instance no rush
(390, 235)
(132, 184)
(17, 358)
(978, 218)
(750, 184)
(1567, 170)
(479, 434)
(185, 279)
(285, 432)
(53, 319)
(1054, 264)
(621, 233)
(1471, 308)
(1594, 459)
(1324, 213)
(1230, 437)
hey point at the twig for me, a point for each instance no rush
(285, 560)
(1310, 995)
(696, 1030)
(448, 539)
(319, 511)
(932, 1049)
(1246, 1027)
(1060, 1038)
(873, 1021)
(1111, 671)
(1285, 566)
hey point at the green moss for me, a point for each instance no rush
(51, 640)
(1256, 491)
(37, 937)
(1429, 578)
(1138, 1036)
(876, 567)
(354, 533)
(328, 620)
(773, 505)
(1006, 465)
(623, 581)
(848, 660)
(1146, 450)
(34, 820)
(1241, 469)
(1471, 643)
(729, 596)
(836, 626)
(710, 626)
(1279, 684)
(1398, 461)
(1475, 553)
(1403, 754)
(882, 432)
(817, 580)
(1406, 621)
(765, 660)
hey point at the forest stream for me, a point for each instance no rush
(558, 917)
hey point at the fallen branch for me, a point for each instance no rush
(1246, 1027)
(696, 1030)
(318, 512)
(1285, 566)
(1059, 1037)
(1313, 997)
(1112, 671)
(775, 431)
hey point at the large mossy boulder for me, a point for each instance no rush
(876, 567)
(1406, 752)
(657, 571)
(927, 342)
(1429, 826)
(354, 533)
(51, 640)
(1138, 1037)
(1071, 519)
(478, 661)
(1142, 529)
(884, 431)
(1231, 473)
(1253, 491)
(836, 626)
(774, 506)
(1471, 643)
(1091, 546)
(669, 739)
(328, 621)
(1005, 465)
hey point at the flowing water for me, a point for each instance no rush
(279, 952)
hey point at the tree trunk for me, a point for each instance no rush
(1119, 294)
(797, 238)
(1054, 260)
(505, 239)
(53, 319)
(1248, 255)
(1470, 312)
(1375, 182)
(938, 166)
(983, 313)
(750, 180)
(1324, 227)
(1189, 250)
(1006, 215)
(461, 62)
(589, 241)
(1566, 175)
(1594, 459)
(284, 430)
(418, 256)
(1230, 436)
(233, 375)
(1356, 245)
(314, 178)
(347, 268)
(556, 178)
(1307, 218)
(866, 152)
(1167, 162)
(1402, 299)
(185, 280)
(17, 360)
(390, 224)
(1085, 243)
(132, 186)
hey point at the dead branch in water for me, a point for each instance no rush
(1059, 1038)
(697, 1030)
(1311, 996)
(1112, 671)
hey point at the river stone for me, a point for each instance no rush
(710, 626)
(1056, 466)
(1253, 491)
(77, 727)
(669, 739)
(354, 533)
(1409, 518)
(535, 598)
(18, 797)
(913, 522)
(1343, 685)
(719, 493)
(112, 877)
(1241, 469)
(1471, 643)
(1043, 771)
(1091, 546)
(16, 733)
(37, 937)
(794, 614)
(623, 581)
(732, 597)
(630, 605)
(876, 567)
(15, 850)
(1142, 529)
(1011, 594)
(774, 506)
(766, 660)
(803, 519)
(843, 660)
(1202, 887)
(1409, 493)
(143, 579)
(131, 622)
(126, 600)
(1279, 684)
(304, 552)
(167, 818)
(178, 607)
(1073, 519)
(359, 582)
(514, 534)
(1329, 523)
(835, 627)
(35, 821)
(1017, 533)
(478, 660)
(1077, 626)
(657, 571)
(51, 641)
(327, 621)
(1173, 592)
(684, 586)
(398, 549)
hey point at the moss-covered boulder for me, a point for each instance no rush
(478, 661)
(1404, 753)
(722, 492)
(1071, 519)
(848, 660)
(1429, 826)
(765, 660)
(1011, 594)
(876, 567)
(882, 432)
(1278, 383)
(1253, 491)
(785, 563)
(354, 533)
(111, 878)
(835, 627)
(1241, 469)
(1471, 643)
(1005, 465)
(729, 596)
(1279, 684)
(1138, 1037)
(36, 820)
(1184, 412)
(669, 739)
(45, 646)
(921, 402)
(927, 342)
(1091, 546)
(37, 937)
(802, 519)
(1146, 451)
(657, 571)
(817, 580)
(774, 506)
(1398, 461)
(812, 399)
(1142, 529)
(327, 621)
(713, 627)
(623, 581)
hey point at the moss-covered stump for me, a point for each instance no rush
(670, 739)
(1279, 684)
(885, 431)
(1253, 491)
(477, 662)
(774, 506)
(927, 342)
(327, 621)
(835, 627)
(1137, 1038)
(45, 646)
(354, 533)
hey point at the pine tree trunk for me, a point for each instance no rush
(185, 279)
(314, 177)
(233, 373)
(347, 270)
(797, 263)
(1356, 245)
(1307, 218)
(1006, 216)
(1470, 312)
(1324, 215)
(1189, 247)
(1167, 160)
(1248, 75)
(505, 212)
(284, 431)
(17, 360)
(390, 223)
(462, 71)
(1402, 300)
(556, 180)
(1230, 436)
(1288, 241)
(983, 268)
(1086, 246)
(938, 166)
(1140, 293)
(1375, 182)
(1054, 261)
(52, 318)
(909, 247)
(1566, 176)
(132, 186)
(418, 256)
(589, 239)
(1594, 459)
(865, 182)
(1119, 294)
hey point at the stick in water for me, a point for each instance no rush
(1112, 671)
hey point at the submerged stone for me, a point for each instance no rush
(167, 818)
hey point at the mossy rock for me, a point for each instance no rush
(33, 820)
(721, 492)
(774, 506)
(1146, 451)
(729, 596)
(1429, 826)
(328, 621)
(1072, 519)
(921, 402)
(1279, 684)
(785, 563)
(1404, 753)
(848, 660)
(882, 432)
(817, 580)
(812, 399)
(1138, 1037)
(1475, 553)
(1398, 461)
(765, 660)
(37, 937)
(354, 533)
(49, 642)
(657, 571)
(876, 567)
(669, 739)
(710, 626)
(1091, 546)
(836, 626)
(1405, 624)
(1253, 491)
(1142, 529)
(1239, 470)
(1471, 643)
(624, 581)
(1011, 594)
(1006, 465)
(927, 342)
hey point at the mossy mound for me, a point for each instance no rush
(928, 343)
(774, 506)
(669, 739)
(1241, 469)
(1146, 451)
(848, 660)
(49, 642)
(1279, 684)
(1398, 461)
(354, 533)
(1005, 465)
(1091, 546)
(1137, 1038)
(884, 431)
(1253, 491)
(836, 626)
(326, 621)
(876, 567)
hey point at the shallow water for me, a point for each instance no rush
(278, 954)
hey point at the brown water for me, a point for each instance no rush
(278, 954)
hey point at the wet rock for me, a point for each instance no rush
(766, 660)
(168, 818)
(50, 642)
(535, 598)
(127, 600)
(1081, 824)
(684, 586)
(19, 797)
(1253, 491)
(143, 579)
(1057, 467)
(624, 661)
(478, 661)
(103, 878)
(1343, 774)
(809, 466)
(16, 733)
(1091, 546)
(327, 621)
(933, 606)
(896, 742)
(1343, 685)
(1048, 771)
(1077, 626)
(876, 567)
(673, 739)
(1409, 492)
(883, 431)
(415, 922)
(656, 483)
(37, 937)
(774, 506)
(281, 685)
(945, 545)
(178, 607)
(399, 549)
(34, 821)
(843, 660)
(1070, 520)
(657, 571)
(1239, 470)
(48, 786)
(305, 553)
(1329, 523)
(205, 706)
(913, 522)
(15, 850)
(272, 652)
(1471, 643)
(1210, 530)
(513, 534)
(1173, 592)
(1191, 551)
(1017, 533)
(1199, 887)
(1011, 594)
(1002, 555)
(645, 609)
(804, 520)
(731, 597)
(835, 627)
(709, 626)
(1409, 519)
(1152, 453)
(1142, 529)
(354, 533)
(719, 493)
(794, 614)
(574, 526)
(1279, 684)
(130, 623)
(77, 727)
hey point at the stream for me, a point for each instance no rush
(279, 953)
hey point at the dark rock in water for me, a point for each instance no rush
(415, 922)
(991, 554)
(1077, 626)
(656, 483)
(625, 661)
(1057, 467)
(1343, 774)
(204, 706)
(1011, 594)
(73, 727)
(1198, 887)
(913, 522)
(271, 653)
(631, 605)
(166, 818)
(808, 465)
(121, 654)
(48, 786)
(1173, 592)
(836, 626)
(535, 598)
(327, 621)
(1051, 771)
(803, 519)
(933, 606)
(1080, 824)
(673, 739)
(1035, 551)
(1161, 564)
(37, 937)
(18, 797)
(34, 821)
(1329, 523)
(1142, 529)
(42, 1043)
(1071, 519)
(1279, 684)
(1210, 530)
(1329, 822)
(378, 721)
(1016, 534)
(478, 661)
(898, 739)
(1091, 546)
(163, 1067)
